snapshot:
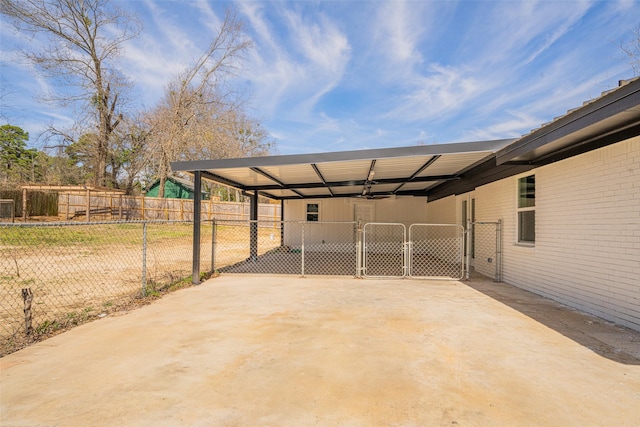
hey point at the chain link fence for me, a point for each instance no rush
(484, 249)
(289, 247)
(53, 275)
(373, 250)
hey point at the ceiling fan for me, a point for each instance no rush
(375, 196)
(366, 191)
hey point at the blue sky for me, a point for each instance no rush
(345, 75)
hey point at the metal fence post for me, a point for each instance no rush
(144, 259)
(214, 236)
(499, 251)
(302, 249)
(359, 249)
(468, 250)
(406, 253)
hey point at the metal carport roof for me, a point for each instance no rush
(362, 173)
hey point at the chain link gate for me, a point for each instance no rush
(436, 251)
(484, 249)
(432, 251)
(384, 250)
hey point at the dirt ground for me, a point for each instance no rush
(253, 350)
(85, 274)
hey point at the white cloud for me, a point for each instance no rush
(513, 125)
(253, 12)
(297, 64)
(376, 74)
(436, 95)
(209, 17)
(398, 30)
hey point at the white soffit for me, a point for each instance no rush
(345, 171)
(282, 193)
(402, 166)
(246, 176)
(293, 174)
(452, 163)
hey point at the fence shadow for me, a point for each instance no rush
(606, 339)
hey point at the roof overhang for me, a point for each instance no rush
(403, 171)
(595, 124)
(608, 119)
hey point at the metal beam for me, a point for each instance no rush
(282, 185)
(354, 183)
(315, 168)
(418, 172)
(217, 178)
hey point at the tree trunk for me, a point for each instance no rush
(161, 187)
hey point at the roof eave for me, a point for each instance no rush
(619, 109)
(296, 159)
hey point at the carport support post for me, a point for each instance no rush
(467, 255)
(253, 218)
(281, 222)
(197, 202)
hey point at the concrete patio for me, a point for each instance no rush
(282, 350)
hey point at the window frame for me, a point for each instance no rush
(525, 193)
(307, 213)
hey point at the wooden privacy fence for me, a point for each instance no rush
(38, 203)
(112, 207)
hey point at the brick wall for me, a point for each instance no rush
(587, 249)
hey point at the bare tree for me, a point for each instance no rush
(195, 102)
(127, 157)
(631, 48)
(83, 40)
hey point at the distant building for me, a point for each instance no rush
(174, 188)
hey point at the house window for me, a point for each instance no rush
(313, 212)
(527, 209)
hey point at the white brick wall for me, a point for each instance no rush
(587, 250)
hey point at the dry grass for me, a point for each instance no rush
(81, 272)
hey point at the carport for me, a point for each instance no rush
(374, 174)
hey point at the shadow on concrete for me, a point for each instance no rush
(607, 339)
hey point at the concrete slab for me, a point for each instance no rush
(251, 350)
